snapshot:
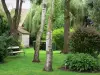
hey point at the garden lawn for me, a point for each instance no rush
(23, 65)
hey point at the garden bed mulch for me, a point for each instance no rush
(64, 68)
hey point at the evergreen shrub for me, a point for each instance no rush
(85, 40)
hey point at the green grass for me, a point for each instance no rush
(22, 65)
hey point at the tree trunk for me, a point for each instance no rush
(66, 26)
(13, 22)
(39, 34)
(37, 47)
(16, 19)
(49, 52)
(13, 28)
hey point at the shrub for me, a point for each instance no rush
(4, 43)
(3, 25)
(14, 42)
(58, 37)
(4, 38)
(81, 62)
(85, 40)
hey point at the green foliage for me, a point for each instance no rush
(85, 40)
(1, 9)
(3, 25)
(58, 14)
(78, 10)
(36, 1)
(94, 12)
(58, 37)
(81, 62)
(32, 22)
(14, 42)
(4, 37)
(4, 44)
(33, 19)
(36, 20)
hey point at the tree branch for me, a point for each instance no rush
(19, 13)
(7, 12)
(15, 18)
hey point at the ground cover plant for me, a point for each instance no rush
(82, 63)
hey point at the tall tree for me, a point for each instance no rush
(39, 34)
(94, 12)
(13, 21)
(49, 52)
(66, 26)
